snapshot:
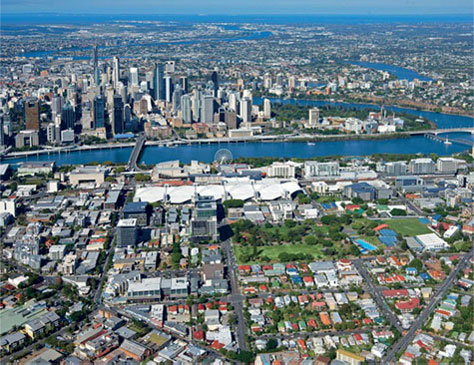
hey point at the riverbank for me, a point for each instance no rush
(375, 103)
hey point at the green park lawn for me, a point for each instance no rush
(272, 252)
(408, 227)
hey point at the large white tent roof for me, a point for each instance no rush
(243, 189)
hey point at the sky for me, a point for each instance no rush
(241, 7)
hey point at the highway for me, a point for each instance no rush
(404, 341)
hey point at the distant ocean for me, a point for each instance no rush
(51, 18)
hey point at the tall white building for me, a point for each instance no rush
(267, 109)
(246, 110)
(134, 76)
(313, 118)
(116, 72)
(234, 101)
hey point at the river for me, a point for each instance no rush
(442, 120)
(400, 72)
(52, 53)
(205, 152)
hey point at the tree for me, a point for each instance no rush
(272, 344)
(354, 250)
(310, 240)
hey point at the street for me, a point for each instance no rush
(404, 341)
(235, 297)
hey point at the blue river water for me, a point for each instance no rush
(205, 152)
(401, 72)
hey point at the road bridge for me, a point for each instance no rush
(132, 161)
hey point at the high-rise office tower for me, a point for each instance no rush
(116, 72)
(230, 119)
(68, 117)
(98, 110)
(184, 84)
(127, 114)
(122, 90)
(234, 101)
(176, 99)
(95, 64)
(215, 81)
(196, 105)
(32, 115)
(158, 83)
(207, 109)
(117, 115)
(56, 106)
(134, 76)
(95, 57)
(246, 110)
(267, 108)
(169, 88)
(186, 108)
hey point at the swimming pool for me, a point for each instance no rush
(365, 246)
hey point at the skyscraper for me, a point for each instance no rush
(56, 106)
(207, 110)
(68, 117)
(98, 110)
(168, 88)
(246, 110)
(117, 115)
(267, 108)
(234, 101)
(186, 108)
(215, 81)
(196, 105)
(116, 72)
(32, 115)
(184, 84)
(134, 76)
(176, 100)
(95, 64)
(158, 83)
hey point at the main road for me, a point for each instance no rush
(404, 341)
(235, 297)
(375, 293)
